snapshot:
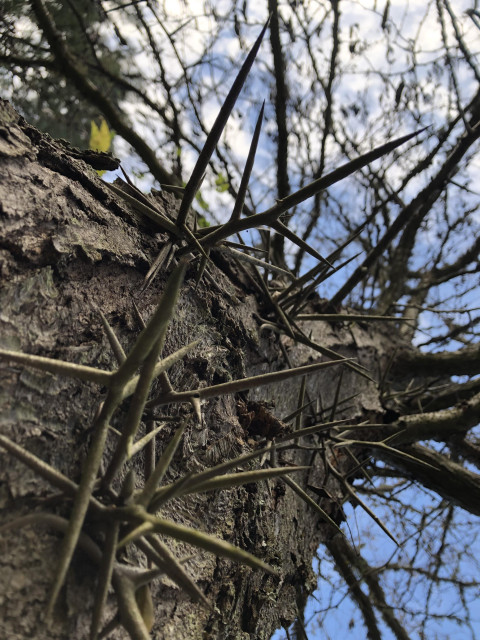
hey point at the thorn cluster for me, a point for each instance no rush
(135, 517)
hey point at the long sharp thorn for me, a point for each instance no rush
(152, 431)
(301, 399)
(161, 468)
(161, 368)
(329, 353)
(155, 328)
(187, 484)
(270, 216)
(135, 412)
(165, 559)
(130, 614)
(347, 317)
(336, 253)
(148, 338)
(115, 345)
(296, 298)
(285, 231)
(365, 507)
(104, 578)
(337, 394)
(249, 383)
(204, 541)
(201, 269)
(59, 367)
(147, 210)
(237, 209)
(337, 175)
(163, 255)
(213, 137)
(194, 243)
(83, 496)
(43, 469)
(374, 517)
(306, 498)
(307, 431)
(299, 282)
(259, 263)
(298, 411)
(244, 477)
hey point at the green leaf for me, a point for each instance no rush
(202, 222)
(201, 201)
(221, 183)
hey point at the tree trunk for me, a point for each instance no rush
(71, 248)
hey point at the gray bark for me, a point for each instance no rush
(69, 247)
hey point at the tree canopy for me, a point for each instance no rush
(398, 237)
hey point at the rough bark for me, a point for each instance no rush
(69, 247)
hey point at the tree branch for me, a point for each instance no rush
(340, 548)
(281, 98)
(436, 425)
(444, 476)
(71, 70)
(344, 564)
(409, 218)
(465, 361)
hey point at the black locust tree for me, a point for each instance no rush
(202, 383)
